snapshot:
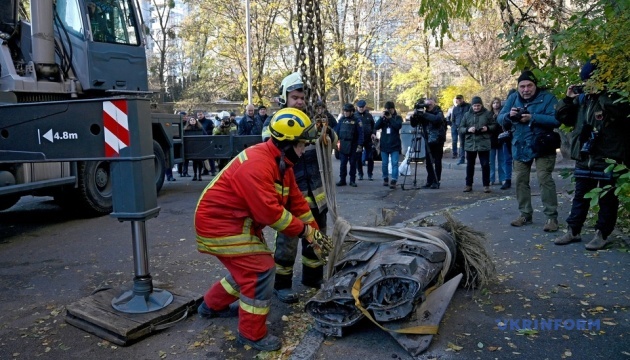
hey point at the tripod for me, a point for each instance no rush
(418, 143)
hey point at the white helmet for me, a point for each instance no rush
(290, 83)
(223, 115)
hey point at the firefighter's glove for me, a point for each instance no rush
(359, 148)
(321, 243)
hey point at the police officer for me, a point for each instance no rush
(350, 132)
(369, 134)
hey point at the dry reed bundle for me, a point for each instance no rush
(472, 259)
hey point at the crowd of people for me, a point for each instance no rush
(283, 171)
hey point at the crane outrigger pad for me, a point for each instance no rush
(96, 315)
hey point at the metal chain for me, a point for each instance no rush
(301, 56)
(321, 75)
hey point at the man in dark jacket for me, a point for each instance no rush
(208, 127)
(434, 126)
(390, 124)
(350, 132)
(457, 115)
(477, 127)
(250, 124)
(369, 133)
(262, 115)
(600, 132)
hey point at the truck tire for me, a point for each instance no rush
(95, 187)
(160, 166)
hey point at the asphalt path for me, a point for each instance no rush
(49, 259)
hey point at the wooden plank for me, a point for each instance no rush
(96, 315)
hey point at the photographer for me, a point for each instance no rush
(530, 111)
(430, 117)
(477, 127)
(390, 124)
(600, 132)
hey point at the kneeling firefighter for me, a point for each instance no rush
(229, 222)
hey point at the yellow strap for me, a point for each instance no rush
(418, 330)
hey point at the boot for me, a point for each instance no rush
(385, 182)
(468, 188)
(341, 183)
(392, 185)
(268, 343)
(486, 189)
(568, 238)
(551, 225)
(194, 178)
(287, 296)
(205, 312)
(598, 242)
(506, 185)
(199, 178)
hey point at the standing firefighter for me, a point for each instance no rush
(309, 181)
(229, 222)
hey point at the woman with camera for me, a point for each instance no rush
(477, 127)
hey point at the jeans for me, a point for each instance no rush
(497, 157)
(507, 161)
(608, 206)
(344, 159)
(368, 157)
(548, 195)
(471, 156)
(385, 164)
(462, 152)
(454, 136)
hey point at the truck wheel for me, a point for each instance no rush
(160, 166)
(95, 187)
(8, 201)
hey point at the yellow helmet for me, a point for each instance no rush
(291, 124)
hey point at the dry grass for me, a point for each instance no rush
(472, 257)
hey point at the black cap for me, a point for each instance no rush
(476, 100)
(460, 97)
(361, 103)
(348, 107)
(389, 105)
(262, 107)
(527, 75)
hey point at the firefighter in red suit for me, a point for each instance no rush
(256, 189)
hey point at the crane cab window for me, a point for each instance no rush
(113, 21)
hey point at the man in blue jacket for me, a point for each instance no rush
(390, 124)
(530, 111)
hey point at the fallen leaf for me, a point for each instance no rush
(493, 348)
(285, 318)
(568, 353)
(585, 303)
(453, 347)
(610, 323)
(499, 308)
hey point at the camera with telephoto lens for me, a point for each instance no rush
(587, 147)
(387, 113)
(519, 114)
(578, 89)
